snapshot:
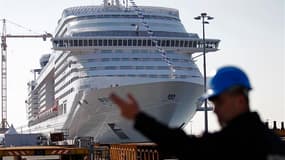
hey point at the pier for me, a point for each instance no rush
(62, 152)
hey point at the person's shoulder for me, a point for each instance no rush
(246, 119)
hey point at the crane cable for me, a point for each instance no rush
(20, 26)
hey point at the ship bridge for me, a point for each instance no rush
(169, 43)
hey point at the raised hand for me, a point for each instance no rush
(129, 108)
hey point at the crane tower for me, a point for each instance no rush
(4, 124)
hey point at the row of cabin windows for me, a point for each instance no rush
(135, 68)
(133, 59)
(90, 17)
(58, 81)
(63, 65)
(146, 76)
(65, 93)
(67, 83)
(120, 75)
(131, 33)
(125, 75)
(128, 75)
(133, 42)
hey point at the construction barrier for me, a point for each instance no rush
(136, 151)
(101, 152)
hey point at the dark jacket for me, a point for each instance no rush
(245, 137)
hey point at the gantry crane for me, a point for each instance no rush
(4, 124)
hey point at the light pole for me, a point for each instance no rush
(204, 16)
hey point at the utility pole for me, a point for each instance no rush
(204, 16)
(4, 124)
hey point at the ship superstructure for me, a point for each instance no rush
(115, 48)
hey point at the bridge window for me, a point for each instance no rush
(115, 42)
(75, 43)
(85, 42)
(177, 43)
(148, 42)
(60, 43)
(172, 43)
(129, 42)
(80, 43)
(110, 42)
(144, 42)
(194, 44)
(120, 42)
(186, 43)
(65, 43)
(90, 43)
(125, 42)
(181, 43)
(139, 42)
(105, 42)
(167, 43)
(163, 43)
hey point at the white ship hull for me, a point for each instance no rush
(170, 102)
(103, 49)
(93, 114)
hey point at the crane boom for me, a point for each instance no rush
(44, 36)
(4, 124)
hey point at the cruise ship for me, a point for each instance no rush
(122, 48)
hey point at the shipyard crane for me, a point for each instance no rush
(4, 124)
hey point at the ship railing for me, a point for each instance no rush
(187, 44)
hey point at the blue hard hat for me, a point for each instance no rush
(226, 78)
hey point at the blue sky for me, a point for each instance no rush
(252, 37)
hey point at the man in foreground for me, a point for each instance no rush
(243, 134)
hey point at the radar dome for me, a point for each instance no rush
(44, 59)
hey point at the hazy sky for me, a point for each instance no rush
(251, 32)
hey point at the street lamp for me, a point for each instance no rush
(204, 17)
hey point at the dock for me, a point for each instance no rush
(64, 152)
(84, 148)
(129, 151)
